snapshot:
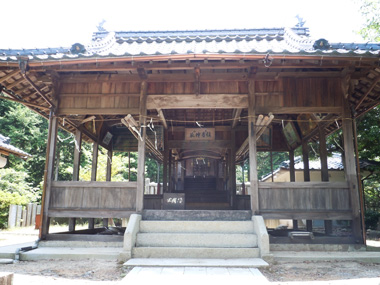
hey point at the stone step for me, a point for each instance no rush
(237, 227)
(194, 252)
(196, 215)
(77, 243)
(196, 240)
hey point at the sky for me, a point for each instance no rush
(51, 23)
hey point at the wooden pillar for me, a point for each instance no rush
(108, 178)
(170, 171)
(165, 163)
(351, 174)
(252, 148)
(141, 149)
(291, 166)
(48, 177)
(306, 175)
(77, 153)
(76, 169)
(129, 166)
(305, 156)
(271, 165)
(233, 168)
(94, 167)
(109, 165)
(292, 179)
(324, 170)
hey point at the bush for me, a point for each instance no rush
(7, 199)
(371, 219)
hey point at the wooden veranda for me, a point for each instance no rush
(239, 102)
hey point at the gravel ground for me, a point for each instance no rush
(109, 272)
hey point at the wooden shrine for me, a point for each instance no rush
(200, 103)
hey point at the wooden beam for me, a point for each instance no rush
(252, 148)
(141, 149)
(236, 117)
(9, 75)
(162, 118)
(201, 101)
(298, 110)
(370, 88)
(97, 111)
(194, 145)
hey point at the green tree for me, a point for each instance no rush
(370, 10)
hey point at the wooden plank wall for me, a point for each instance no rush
(123, 97)
(92, 196)
(99, 98)
(301, 200)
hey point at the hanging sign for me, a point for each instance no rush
(200, 134)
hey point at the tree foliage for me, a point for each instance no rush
(370, 10)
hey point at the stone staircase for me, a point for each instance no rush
(196, 234)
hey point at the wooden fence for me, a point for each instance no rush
(23, 216)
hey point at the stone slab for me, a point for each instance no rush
(6, 261)
(362, 256)
(194, 275)
(71, 253)
(190, 262)
(194, 215)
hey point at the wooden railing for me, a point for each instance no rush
(305, 200)
(92, 199)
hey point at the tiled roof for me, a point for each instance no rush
(246, 41)
(5, 145)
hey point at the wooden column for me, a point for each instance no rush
(351, 174)
(233, 168)
(252, 148)
(324, 170)
(76, 169)
(141, 149)
(165, 163)
(170, 188)
(94, 167)
(77, 153)
(48, 177)
(306, 175)
(292, 179)
(305, 156)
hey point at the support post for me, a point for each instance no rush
(252, 148)
(292, 172)
(94, 166)
(76, 169)
(165, 163)
(350, 171)
(48, 177)
(109, 165)
(233, 168)
(324, 170)
(141, 149)
(305, 156)
(306, 175)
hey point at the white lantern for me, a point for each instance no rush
(3, 161)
